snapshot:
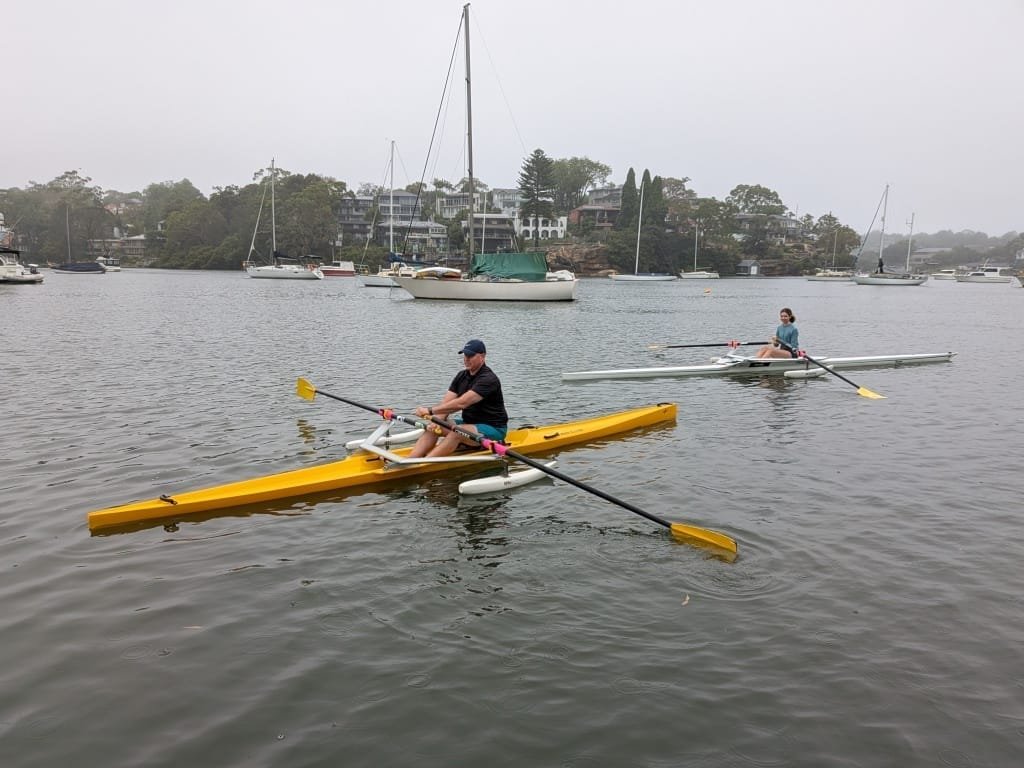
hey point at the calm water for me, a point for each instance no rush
(875, 616)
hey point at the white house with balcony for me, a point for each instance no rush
(545, 228)
(507, 201)
(449, 206)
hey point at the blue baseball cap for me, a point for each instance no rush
(473, 347)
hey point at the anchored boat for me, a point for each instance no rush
(13, 271)
(741, 365)
(372, 464)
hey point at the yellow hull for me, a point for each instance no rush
(365, 469)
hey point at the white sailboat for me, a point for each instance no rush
(70, 267)
(890, 278)
(491, 277)
(697, 274)
(637, 276)
(383, 277)
(832, 275)
(283, 267)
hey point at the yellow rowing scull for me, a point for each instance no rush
(365, 468)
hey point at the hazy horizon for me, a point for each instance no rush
(825, 103)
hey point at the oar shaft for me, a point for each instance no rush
(713, 344)
(590, 489)
(860, 390)
(308, 391)
(502, 450)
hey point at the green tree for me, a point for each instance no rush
(197, 225)
(655, 205)
(680, 202)
(308, 217)
(629, 208)
(161, 200)
(756, 199)
(834, 242)
(573, 178)
(537, 189)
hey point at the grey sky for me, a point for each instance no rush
(824, 102)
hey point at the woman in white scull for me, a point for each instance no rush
(785, 333)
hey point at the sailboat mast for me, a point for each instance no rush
(696, 232)
(469, 127)
(67, 228)
(391, 204)
(273, 215)
(639, 223)
(910, 241)
(885, 205)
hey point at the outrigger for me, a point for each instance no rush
(377, 461)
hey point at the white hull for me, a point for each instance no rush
(699, 275)
(641, 278)
(944, 274)
(19, 276)
(831, 276)
(889, 279)
(383, 278)
(377, 281)
(739, 365)
(285, 272)
(984, 279)
(488, 290)
(13, 271)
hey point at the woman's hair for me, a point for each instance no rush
(788, 311)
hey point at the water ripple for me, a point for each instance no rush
(873, 599)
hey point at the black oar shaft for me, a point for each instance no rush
(717, 344)
(502, 450)
(861, 390)
(679, 530)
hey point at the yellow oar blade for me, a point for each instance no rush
(656, 346)
(305, 389)
(692, 533)
(865, 392)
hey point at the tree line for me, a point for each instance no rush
(187, 230)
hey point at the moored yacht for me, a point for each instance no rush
(986, 274)
(13, 271)
(338, 269)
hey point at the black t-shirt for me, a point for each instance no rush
(491, 409)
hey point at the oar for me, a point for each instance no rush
(712, 344)
(307, 391)
(862, 391)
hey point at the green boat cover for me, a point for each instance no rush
(528, 267)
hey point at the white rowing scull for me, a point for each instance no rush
(742, 365)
